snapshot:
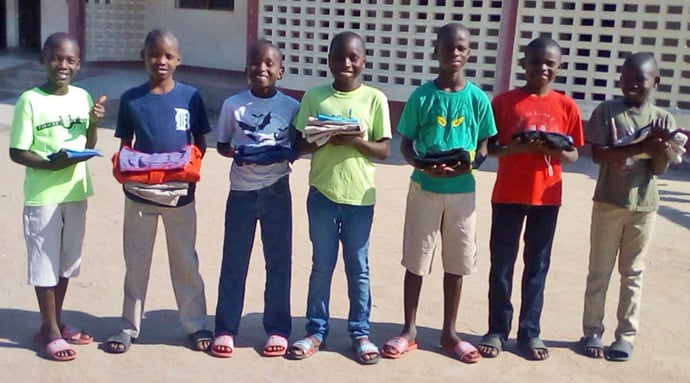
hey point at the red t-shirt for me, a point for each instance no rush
(531, 178)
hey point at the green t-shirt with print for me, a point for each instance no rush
(436, 121)
(340, 172)
(43, 124)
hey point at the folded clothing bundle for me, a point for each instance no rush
(676, 143)
(183, 165)
(321, 128)
(167, 194)
(263, 155)
(447, 157)
(553, 140)
(86, 153)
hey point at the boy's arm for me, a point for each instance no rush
(302, 146)
(225, 149)
(33, 160)
(380, 149)
(200, 142)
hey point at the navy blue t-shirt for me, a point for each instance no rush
(160, 123)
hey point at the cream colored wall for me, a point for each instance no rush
(54, 18)
(210, 39)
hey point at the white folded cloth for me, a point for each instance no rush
(319, 132)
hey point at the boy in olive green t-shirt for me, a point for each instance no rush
(625, 201)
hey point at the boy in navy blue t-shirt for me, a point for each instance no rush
(161, 116)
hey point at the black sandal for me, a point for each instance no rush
(198, 337)
(121, 339)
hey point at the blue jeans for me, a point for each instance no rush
(329, 224)
(506, 226)
(272, 206)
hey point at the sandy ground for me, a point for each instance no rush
(94, 299)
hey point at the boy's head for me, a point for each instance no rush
(264, 67)
(346, 59)
(161, 54)
(60, 56)
(452, 47)
(639, 75)
(541, 62)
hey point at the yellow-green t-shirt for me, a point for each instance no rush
(43, 124)
(340, 172)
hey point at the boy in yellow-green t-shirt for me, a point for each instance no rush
(340, 204)
(50, 120)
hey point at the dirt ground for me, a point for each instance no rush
(95, 298)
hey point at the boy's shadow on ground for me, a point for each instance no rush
(162, 327)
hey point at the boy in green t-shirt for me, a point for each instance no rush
(444, 114)
(625, 201)
(340, 204)
(50, 120)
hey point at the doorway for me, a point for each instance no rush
(30, 24)
(3, 25)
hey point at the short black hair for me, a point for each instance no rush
(254, 47)
(343, 37)
(640, 60)
(449, 30)
(56, 38)
(160, 34)
(541, 43)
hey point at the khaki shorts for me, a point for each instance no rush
(430, 215)
(54, 235)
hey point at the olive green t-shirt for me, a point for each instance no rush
(632, 185)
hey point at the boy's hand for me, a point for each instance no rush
(60, 160)
(661, 128)
(443, 170)
(344, 139)
(98, 110)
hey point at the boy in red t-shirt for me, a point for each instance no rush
(528, 187)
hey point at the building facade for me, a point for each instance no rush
(595, 35)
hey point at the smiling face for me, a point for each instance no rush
(541, 65)
(60, 57)
(638, 78)
(346, 59)
(264, 69)
(161, 57)
(452, 49)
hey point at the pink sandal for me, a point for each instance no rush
(226, 341)
(275, 341)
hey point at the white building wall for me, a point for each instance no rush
(54, 18)
(114, 29)
(210, 39)
(597, 35)
(399, 36)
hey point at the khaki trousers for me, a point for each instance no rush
(140, 225)
(626, 234)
